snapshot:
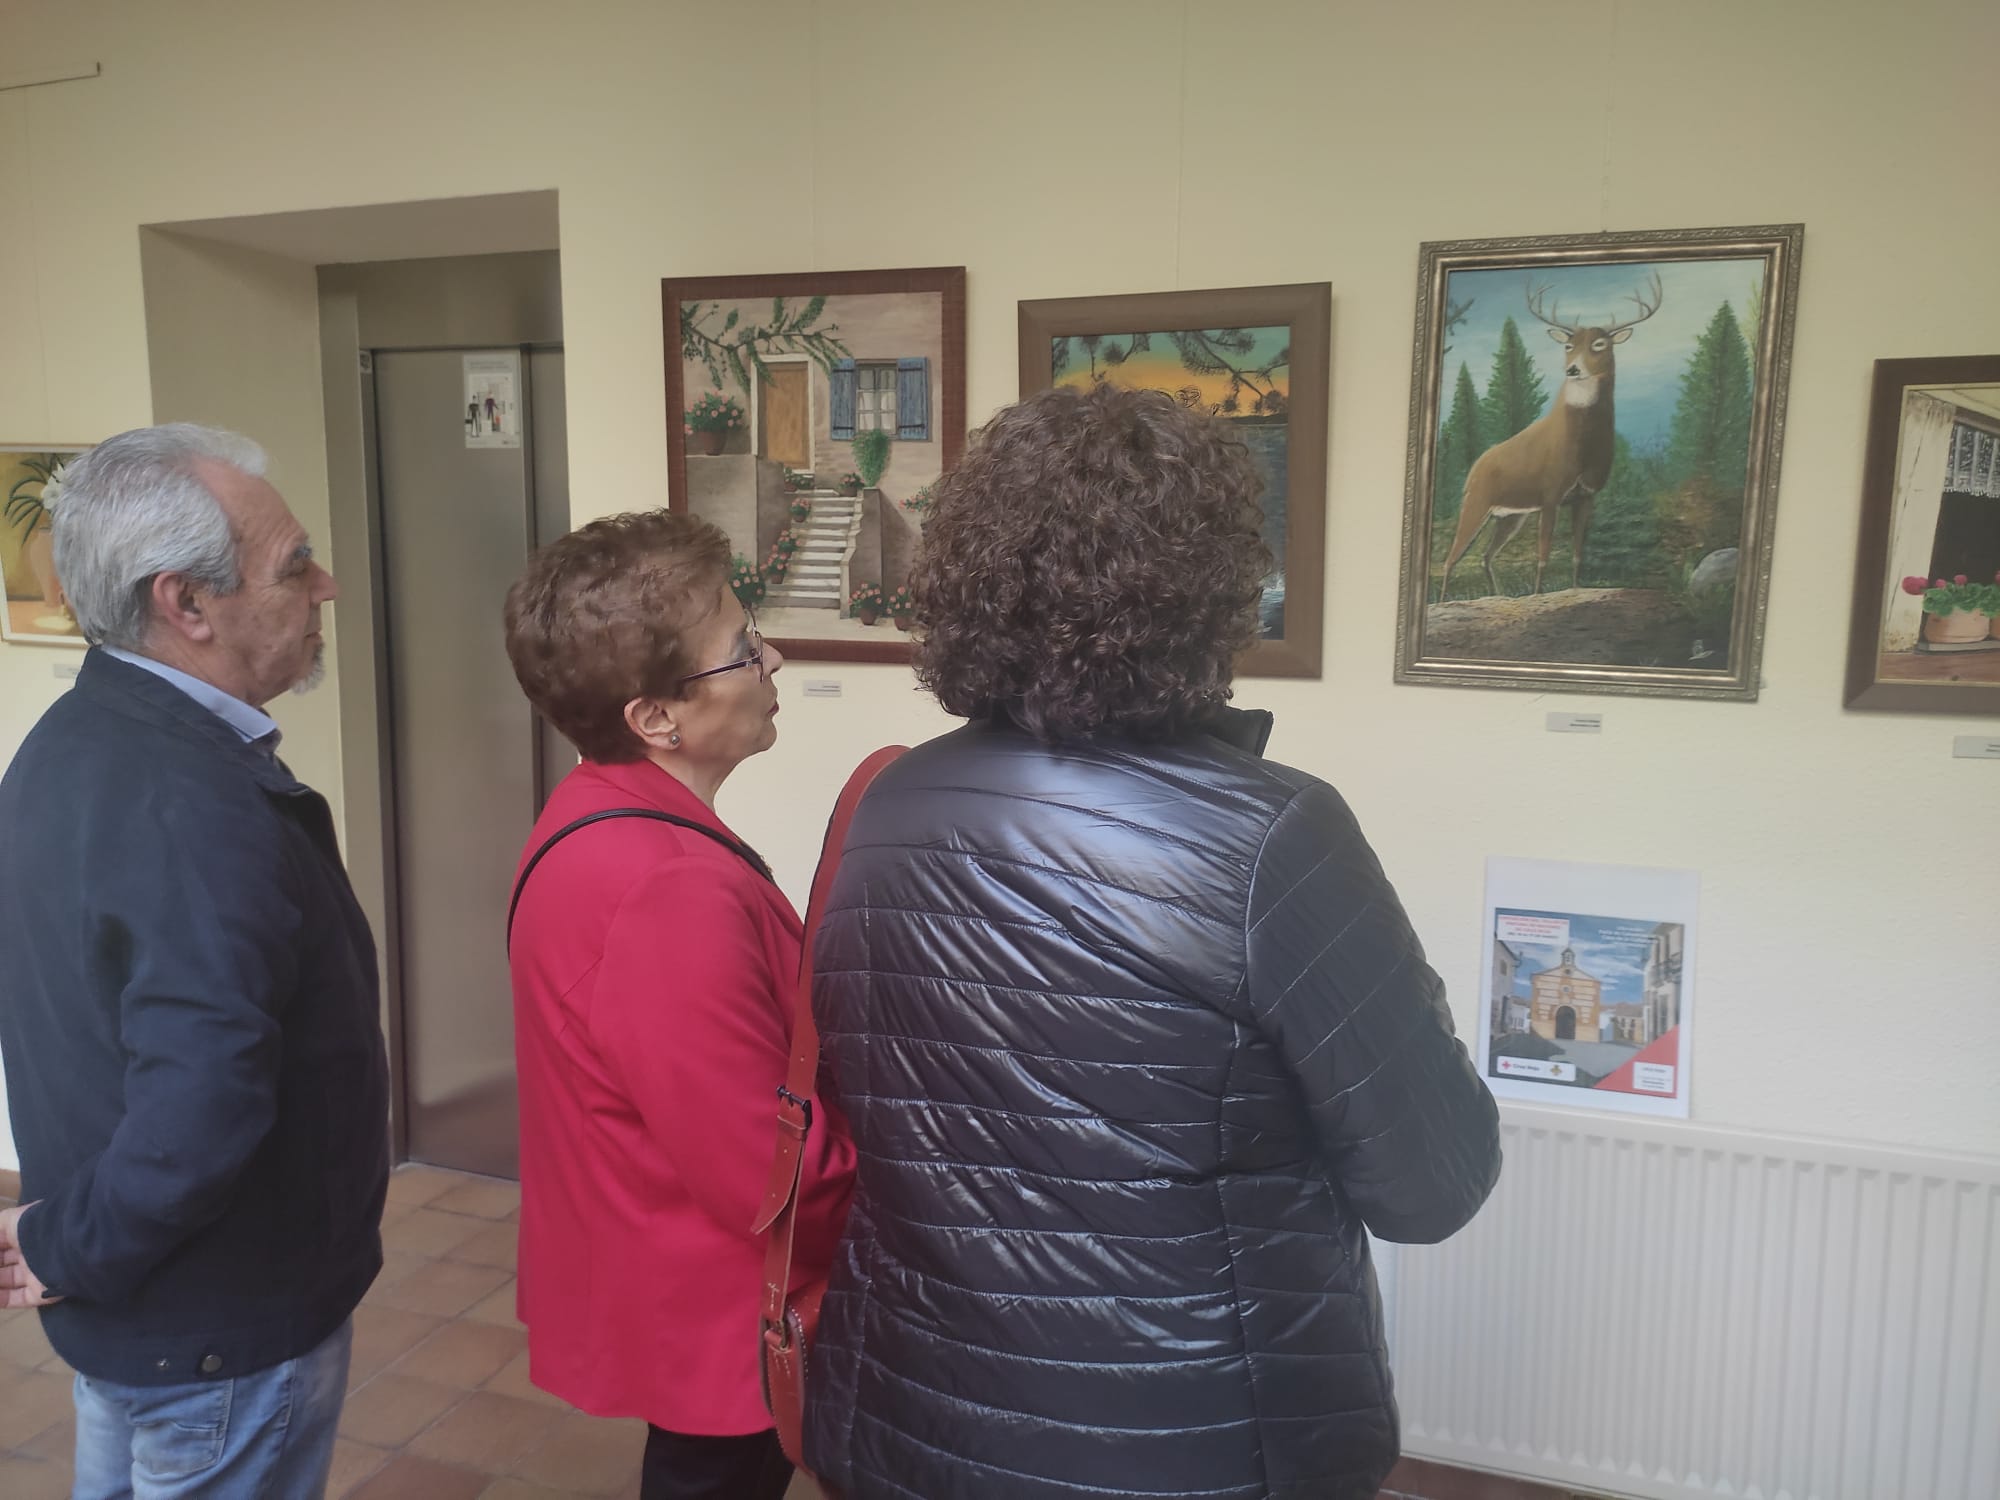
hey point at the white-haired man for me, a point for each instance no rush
(188, 1013)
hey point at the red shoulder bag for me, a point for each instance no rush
(790, 1318)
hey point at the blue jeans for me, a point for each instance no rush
(267, 1436)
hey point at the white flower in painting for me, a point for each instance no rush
(52, 486)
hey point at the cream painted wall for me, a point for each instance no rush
(1137, 145)
(233, 338)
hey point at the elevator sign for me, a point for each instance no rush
(492, 412)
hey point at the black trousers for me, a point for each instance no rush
(680, 1467)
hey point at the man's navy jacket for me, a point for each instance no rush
(189, 1019)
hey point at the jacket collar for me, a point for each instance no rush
(151, 699)
(1246, 729)
(644, 784)
(250, 723)
(640, 783)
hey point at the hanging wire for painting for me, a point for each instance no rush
(1604, 134)
(1180, 164)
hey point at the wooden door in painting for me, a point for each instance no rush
(782, 415)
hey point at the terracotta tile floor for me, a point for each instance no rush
(439, 1406)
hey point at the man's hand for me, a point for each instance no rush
(19, 1286)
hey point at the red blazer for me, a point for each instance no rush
(653, 973)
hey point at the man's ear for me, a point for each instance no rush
(654, 721)
(177, 603)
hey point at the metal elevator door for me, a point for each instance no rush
(457, 522)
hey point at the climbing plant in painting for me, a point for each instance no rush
(739, 347)
(871, 455)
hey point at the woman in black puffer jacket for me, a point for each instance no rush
(1132, 1032)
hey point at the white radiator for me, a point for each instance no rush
(1665, 1310)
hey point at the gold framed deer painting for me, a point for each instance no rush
(1595, 429)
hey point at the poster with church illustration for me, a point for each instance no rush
(808, 416)
(1588, 974)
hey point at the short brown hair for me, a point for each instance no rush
(603, 616)
(1093, 564)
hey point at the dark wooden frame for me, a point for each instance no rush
(1865, 689)
(1781, 246)
(948, 281)
(1305, 308)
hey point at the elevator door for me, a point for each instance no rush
(457, 523)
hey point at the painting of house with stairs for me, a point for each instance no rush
(808, 417)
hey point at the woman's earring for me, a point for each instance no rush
(674, 739)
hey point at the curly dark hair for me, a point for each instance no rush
(1093, 565)
(603, 616)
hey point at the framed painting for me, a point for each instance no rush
(36, 612)
(1255, 357)
(807, 416)
(1925, 636)
(1595, 426)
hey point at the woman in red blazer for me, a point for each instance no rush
(652, 968)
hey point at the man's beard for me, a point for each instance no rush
(315, 674)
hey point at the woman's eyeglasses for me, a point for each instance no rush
(754, 659)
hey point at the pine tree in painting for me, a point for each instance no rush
(1711, 432)
(1514, 394)
(1460, 441)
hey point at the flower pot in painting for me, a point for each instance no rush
(710, 442)
(903, 622)
(867, 616)
(39, 551)
(1957, 628)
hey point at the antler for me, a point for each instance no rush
(1553, 317)
(1646, 309)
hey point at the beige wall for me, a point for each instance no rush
(1138, 145)
(233, 339)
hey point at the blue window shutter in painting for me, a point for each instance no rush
(842, 402)
(913, 400)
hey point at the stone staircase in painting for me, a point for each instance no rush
(817, 578)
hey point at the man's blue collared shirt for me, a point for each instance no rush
(253, 724)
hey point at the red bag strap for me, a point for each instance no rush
(779, 1212)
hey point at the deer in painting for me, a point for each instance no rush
(1562, 457)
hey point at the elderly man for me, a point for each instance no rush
(188, 1005)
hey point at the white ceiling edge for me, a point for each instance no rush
(494, 224)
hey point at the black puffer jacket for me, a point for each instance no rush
(1134, 1041)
